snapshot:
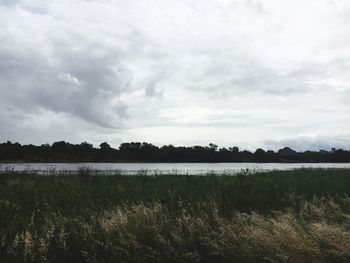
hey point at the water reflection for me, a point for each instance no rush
(164, 168)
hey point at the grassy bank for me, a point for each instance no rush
(289, 216)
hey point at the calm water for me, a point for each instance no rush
(166, 168)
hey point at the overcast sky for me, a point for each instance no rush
(250, 73)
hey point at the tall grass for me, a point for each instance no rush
(289, 216)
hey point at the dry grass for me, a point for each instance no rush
(152, 233)
(315, 229)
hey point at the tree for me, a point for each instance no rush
(59, 145)
(105, 146)
(86, 145)
(213, 147)
(234, 149)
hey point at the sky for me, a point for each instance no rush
(247, 73)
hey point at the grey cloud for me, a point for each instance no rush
(152, 90)
(315, 143)
(244, 76)
(258, 6)
(39, 9)
(68, 78)
(108, 67)
(80, 84)
(8, 2)
(154, 86)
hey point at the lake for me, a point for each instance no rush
(166, 168)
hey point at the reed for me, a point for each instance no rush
(280, 216)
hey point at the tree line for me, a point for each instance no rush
(62, 151)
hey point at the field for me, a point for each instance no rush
(282, 216)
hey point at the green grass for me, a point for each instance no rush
(282, 216)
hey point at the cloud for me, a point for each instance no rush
(8, 2)
(312, 142)
(248, 71)
(33, 72)
(68, 78)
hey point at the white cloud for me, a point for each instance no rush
(68, 78)
(234, 71)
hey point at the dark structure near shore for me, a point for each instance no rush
(146, 152)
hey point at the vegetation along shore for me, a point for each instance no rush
(281, 216)
(62, 151)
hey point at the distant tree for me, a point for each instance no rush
(213, 146)
(223, 150)
(234, 149)
(105, 146)
(260, 155)
(286, 151)
(86, 145)
(125, 146)
(146, 152)
(260, 151)
(60, 144)
(135, 145)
